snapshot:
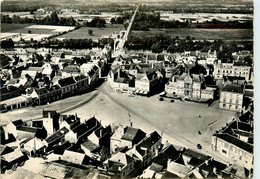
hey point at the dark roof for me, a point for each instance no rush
(233, 88)
(60, 148)
(90, 146)
(131, 134)
(239, 143)
(232, 78)
(123, 80)
(246, 117)
(41, 133)
(9, 89)
(150, 140)
(155, 167)
(194, 154)
(168, 175)
(73, 121)
(38, 124)
(66, 81)
(27, 129)
(57, 135)
(5, 149)
(18, 123)
(249, 94)
(41, 91)
(81, 77)
(80, 129)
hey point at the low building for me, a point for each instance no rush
(8, 92)
(231, 97)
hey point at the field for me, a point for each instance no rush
(82, 33)
(37, 32)
(198, 34)
(12, 27)
(202, 17)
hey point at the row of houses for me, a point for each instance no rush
(110, 151)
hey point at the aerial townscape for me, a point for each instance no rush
(127, 89)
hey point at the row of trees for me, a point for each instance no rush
(95, 22)
(158, 44)
(66, 43)
(53, 19)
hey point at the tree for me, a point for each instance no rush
(112, 20)
(54, 18)
(157, 47)
(171, 48)
(198, 69)
(98, 24)
(90, 32)
(29, 31)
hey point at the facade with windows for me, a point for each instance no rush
(231, 97)
(234, 148)
(230, 69)
(190, 86)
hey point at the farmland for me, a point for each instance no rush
(198, 33)
(98, 33)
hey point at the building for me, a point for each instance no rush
(8, 92)
(231, 97)
(125, 137)
(232, 69)
(234, 148)
(120, 164)
(189, 86)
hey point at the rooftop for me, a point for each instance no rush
(239, 143)
(233, 88)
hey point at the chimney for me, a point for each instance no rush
(131, 124)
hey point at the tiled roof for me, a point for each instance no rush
(233, 88)
(90, 145)
(27, 129)
(131, 133)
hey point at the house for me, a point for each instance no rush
(91, 149)
(153, 171)
(120, 164)
(178, 169)
(231, 97)
(151, 143)
(34, 147)
(6, 137)
(12, 160)
(101, 136)
(148, 83)
(232, 147)
(68, 86)
(55, 138)
(231, 69)
(234, 80)
(92, 71)
(80, 133)
(125, 137)
(50, 121)
(26, 132)
(8, 92)
(5, 149)
(70, 71)
(82, 83)
(70, 122)
(74, 157)
(60, 148)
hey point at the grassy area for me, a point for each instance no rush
(198, 34)
(13, 27)
(82, 33)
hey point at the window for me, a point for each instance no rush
(236, 107)
(230, 100)
(224, 105)
(223, 151)
(237, 101)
